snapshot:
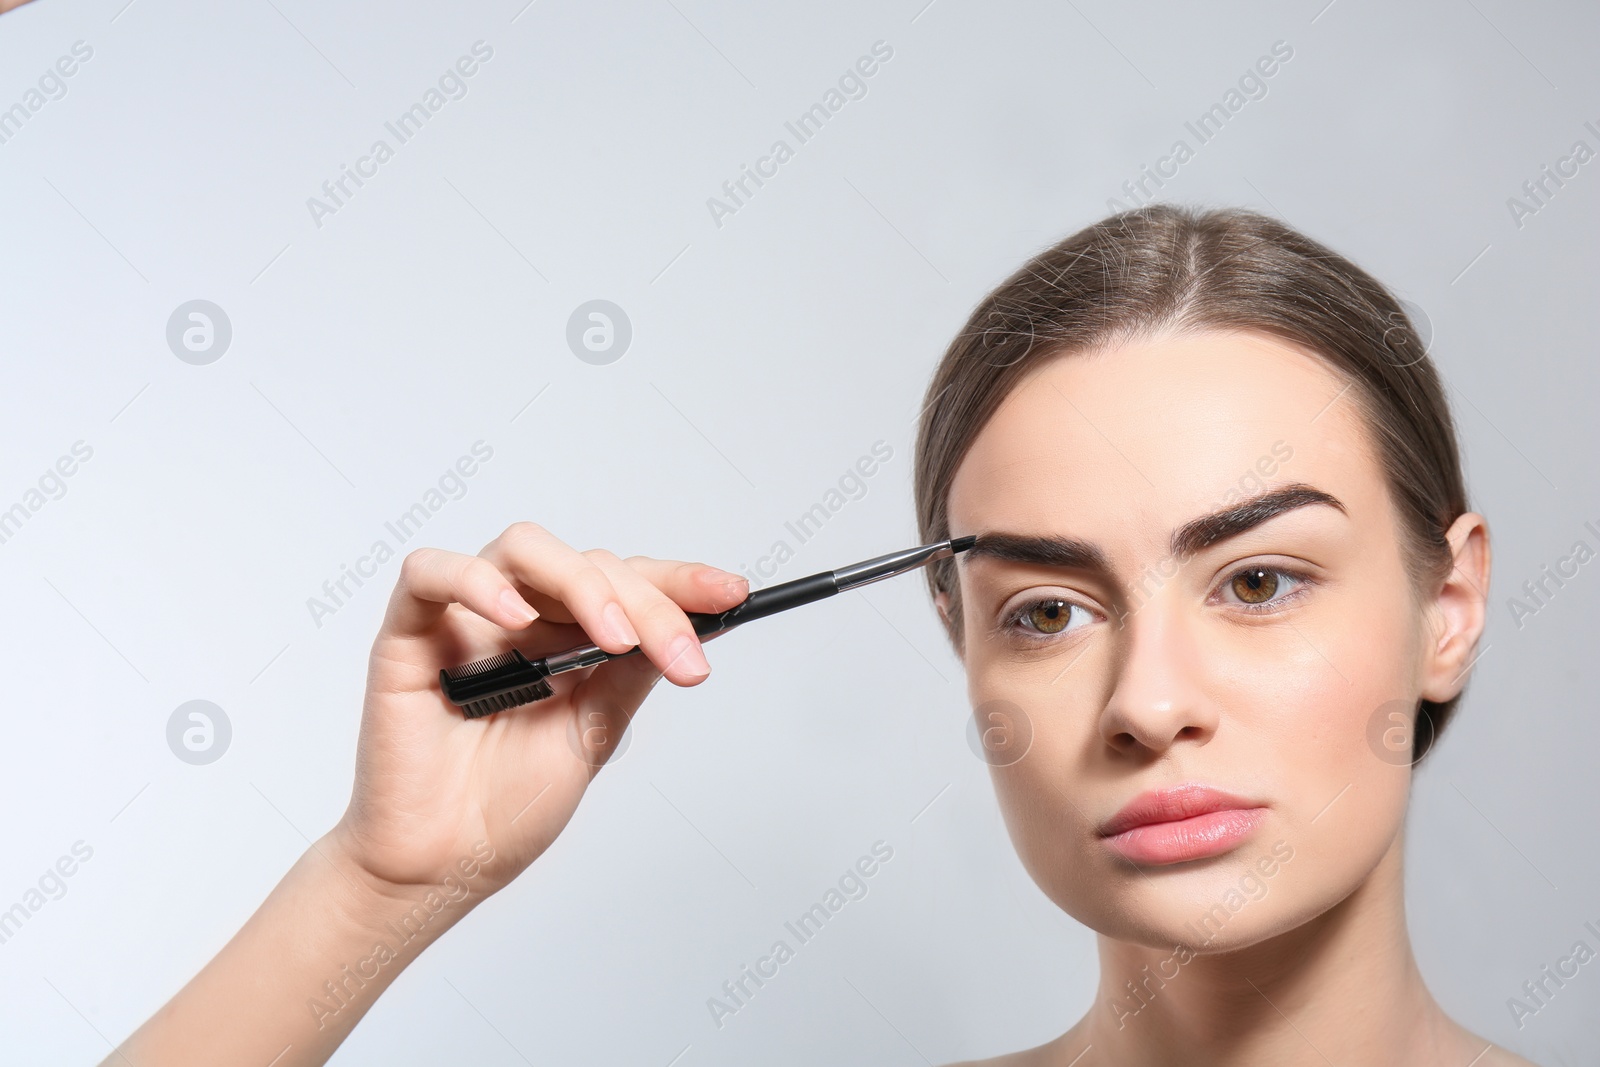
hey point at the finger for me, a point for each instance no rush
(431, 579)
(693, 586)
(666, 635)
(551, 568)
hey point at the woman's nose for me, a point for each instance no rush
(1157, 699)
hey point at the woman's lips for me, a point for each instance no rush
(1184, 823)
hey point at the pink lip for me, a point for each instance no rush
(1187, 822)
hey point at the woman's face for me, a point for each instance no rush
(1113, 649)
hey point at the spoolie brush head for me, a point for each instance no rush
(494, 684)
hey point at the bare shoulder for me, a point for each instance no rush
(1025, 1058)
(1484, 1053)
(1491, 1055)
(1465, 1046)
(1040, 1056)
(1495, 1056)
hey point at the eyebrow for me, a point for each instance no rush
(1188, 539)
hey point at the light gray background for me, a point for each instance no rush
(769, 354)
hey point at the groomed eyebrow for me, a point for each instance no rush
(1188, 539)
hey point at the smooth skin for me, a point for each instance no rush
(444, 811)
(1154, 682)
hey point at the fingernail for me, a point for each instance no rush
(617, 623)
(737, 590)
(516, 607)
(686, 650)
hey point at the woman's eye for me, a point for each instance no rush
(1047, 617)
(1256, 587)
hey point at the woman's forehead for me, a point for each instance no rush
(1162, 429)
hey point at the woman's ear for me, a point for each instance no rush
(1459, 610)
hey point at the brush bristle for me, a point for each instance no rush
(527, 694)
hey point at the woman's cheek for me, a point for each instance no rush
(1371, 641)
(1041, 793)
(1281, 692)
(1040, 810)
(1342, 800)
(1048, 715)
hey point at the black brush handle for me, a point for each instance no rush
(758, 605)
(764, 602)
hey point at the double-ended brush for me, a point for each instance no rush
(511, 679)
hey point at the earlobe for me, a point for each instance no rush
(1460, 608)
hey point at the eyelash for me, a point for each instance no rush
(1011, 624)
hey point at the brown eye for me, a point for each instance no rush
(1255, 585)
(1050, 616)
(1040, 621)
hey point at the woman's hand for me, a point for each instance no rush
(431, 785)
(440, 800)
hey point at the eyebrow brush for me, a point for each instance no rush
(511, 679)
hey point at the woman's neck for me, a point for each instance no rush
(1343, 988)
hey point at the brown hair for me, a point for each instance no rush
(1169, 268)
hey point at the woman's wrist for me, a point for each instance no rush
(406, 916)
(379, 929)
(303, 970)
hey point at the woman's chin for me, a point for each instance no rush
(1168, 926)
(1217, 904)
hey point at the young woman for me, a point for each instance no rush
(1226, 592)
